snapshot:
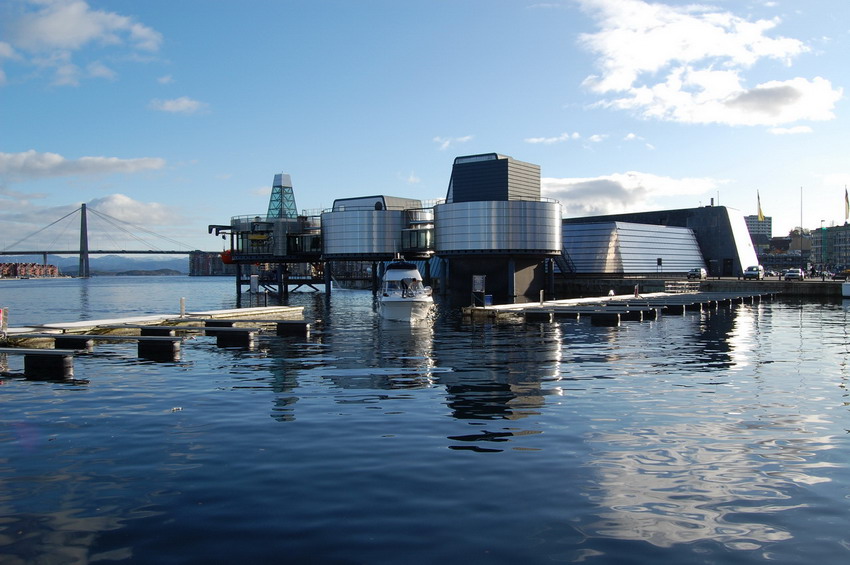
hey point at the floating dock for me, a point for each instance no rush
(49, 349)
(611, 310)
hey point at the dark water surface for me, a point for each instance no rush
(705, 438)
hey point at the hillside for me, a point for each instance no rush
(111, 264)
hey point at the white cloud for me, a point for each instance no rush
(52, 31)
(126, 209)
(165, 79)
(71, 24)
(182, 105)
(687, 64)
(6, 51)
(14, 198)
(32, 165)
(52, 227)
(790, 131)
(550, 140)
(99, 70)
(623, 192)
(446, 142)
(634, 137)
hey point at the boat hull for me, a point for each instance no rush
(405, 309)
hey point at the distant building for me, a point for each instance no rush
(15, 270)
(205, 264)
(759, 227)
(831, 247)
(787, 252)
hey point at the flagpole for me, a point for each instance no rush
(802, 262)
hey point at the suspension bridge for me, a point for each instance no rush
(84, 251)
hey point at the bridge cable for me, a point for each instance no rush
(117, 223)
(41, 230)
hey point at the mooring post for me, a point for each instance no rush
(4, 361)
(328, 279)
(238, 285)
(49, 367)
(511, 280)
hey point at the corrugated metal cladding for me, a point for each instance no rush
(493, 177)
(721, 233)
(516, 227)
(523, 181)
(363, 232)
(626, 248)
(283, 227)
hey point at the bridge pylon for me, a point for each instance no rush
(83, 271)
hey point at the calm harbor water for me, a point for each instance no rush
(719, 437)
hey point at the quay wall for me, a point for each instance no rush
(579, 288)
(593, 287)
(813, 288)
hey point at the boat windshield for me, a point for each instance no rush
(405, 284)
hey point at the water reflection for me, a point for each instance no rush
(728, 469)
(64, 536)
(496, 378)
(686, 482)
(85, 306)
(705, 438)
(377, 355)
(368, 353)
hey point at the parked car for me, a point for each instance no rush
(794, 274)
(696, 274)
(841, 275)
(755, 272)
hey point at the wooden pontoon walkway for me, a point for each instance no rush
(613, 309)
(155, 336)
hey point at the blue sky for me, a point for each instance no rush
(176, 115)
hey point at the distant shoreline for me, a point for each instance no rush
(130, 273)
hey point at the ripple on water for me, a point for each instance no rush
(707, 437)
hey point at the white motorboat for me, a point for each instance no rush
(403, 296)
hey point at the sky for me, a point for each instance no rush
(171, 116)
